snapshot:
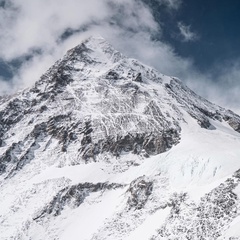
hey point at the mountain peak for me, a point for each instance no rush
(107, 140)
(98, 49)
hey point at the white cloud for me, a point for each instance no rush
(220, 85)
(186, 33)
(27, 25)
(6, 87)
(30, 24)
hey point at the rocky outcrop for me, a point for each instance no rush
(206, 220)
(14, 111)
(150, 144)
(21, 153)
(138, 78)
(199, 108)
(139, 191)
(9, 157)
(233, 121)
(73, 196)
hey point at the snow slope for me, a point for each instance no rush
(105, 147)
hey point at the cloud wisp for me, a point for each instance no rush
(34, 29)
(171, 4)
(40, 32)
(187, 34)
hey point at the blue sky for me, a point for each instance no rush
(215, 22)
(197, 41)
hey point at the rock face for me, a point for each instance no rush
(103, 145)
(139, 190)
(73, 196)
(93, 105)
(208, 218)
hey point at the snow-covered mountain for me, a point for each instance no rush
(105, 147)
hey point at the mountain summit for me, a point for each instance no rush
(105, 147)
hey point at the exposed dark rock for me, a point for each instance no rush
(140, 189)
(59, 75)
(25, 159)
(16, 156)
(204, 123)
(62, 128)
(151, 143)
(130, 85)
(234, 123)
(112, 75)
(206, 112)
(138, 78)
(2, 143)
(208, 219)
(43, 108)
(9, 157)
(12, 114)
(200, 112)
(74, 196)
